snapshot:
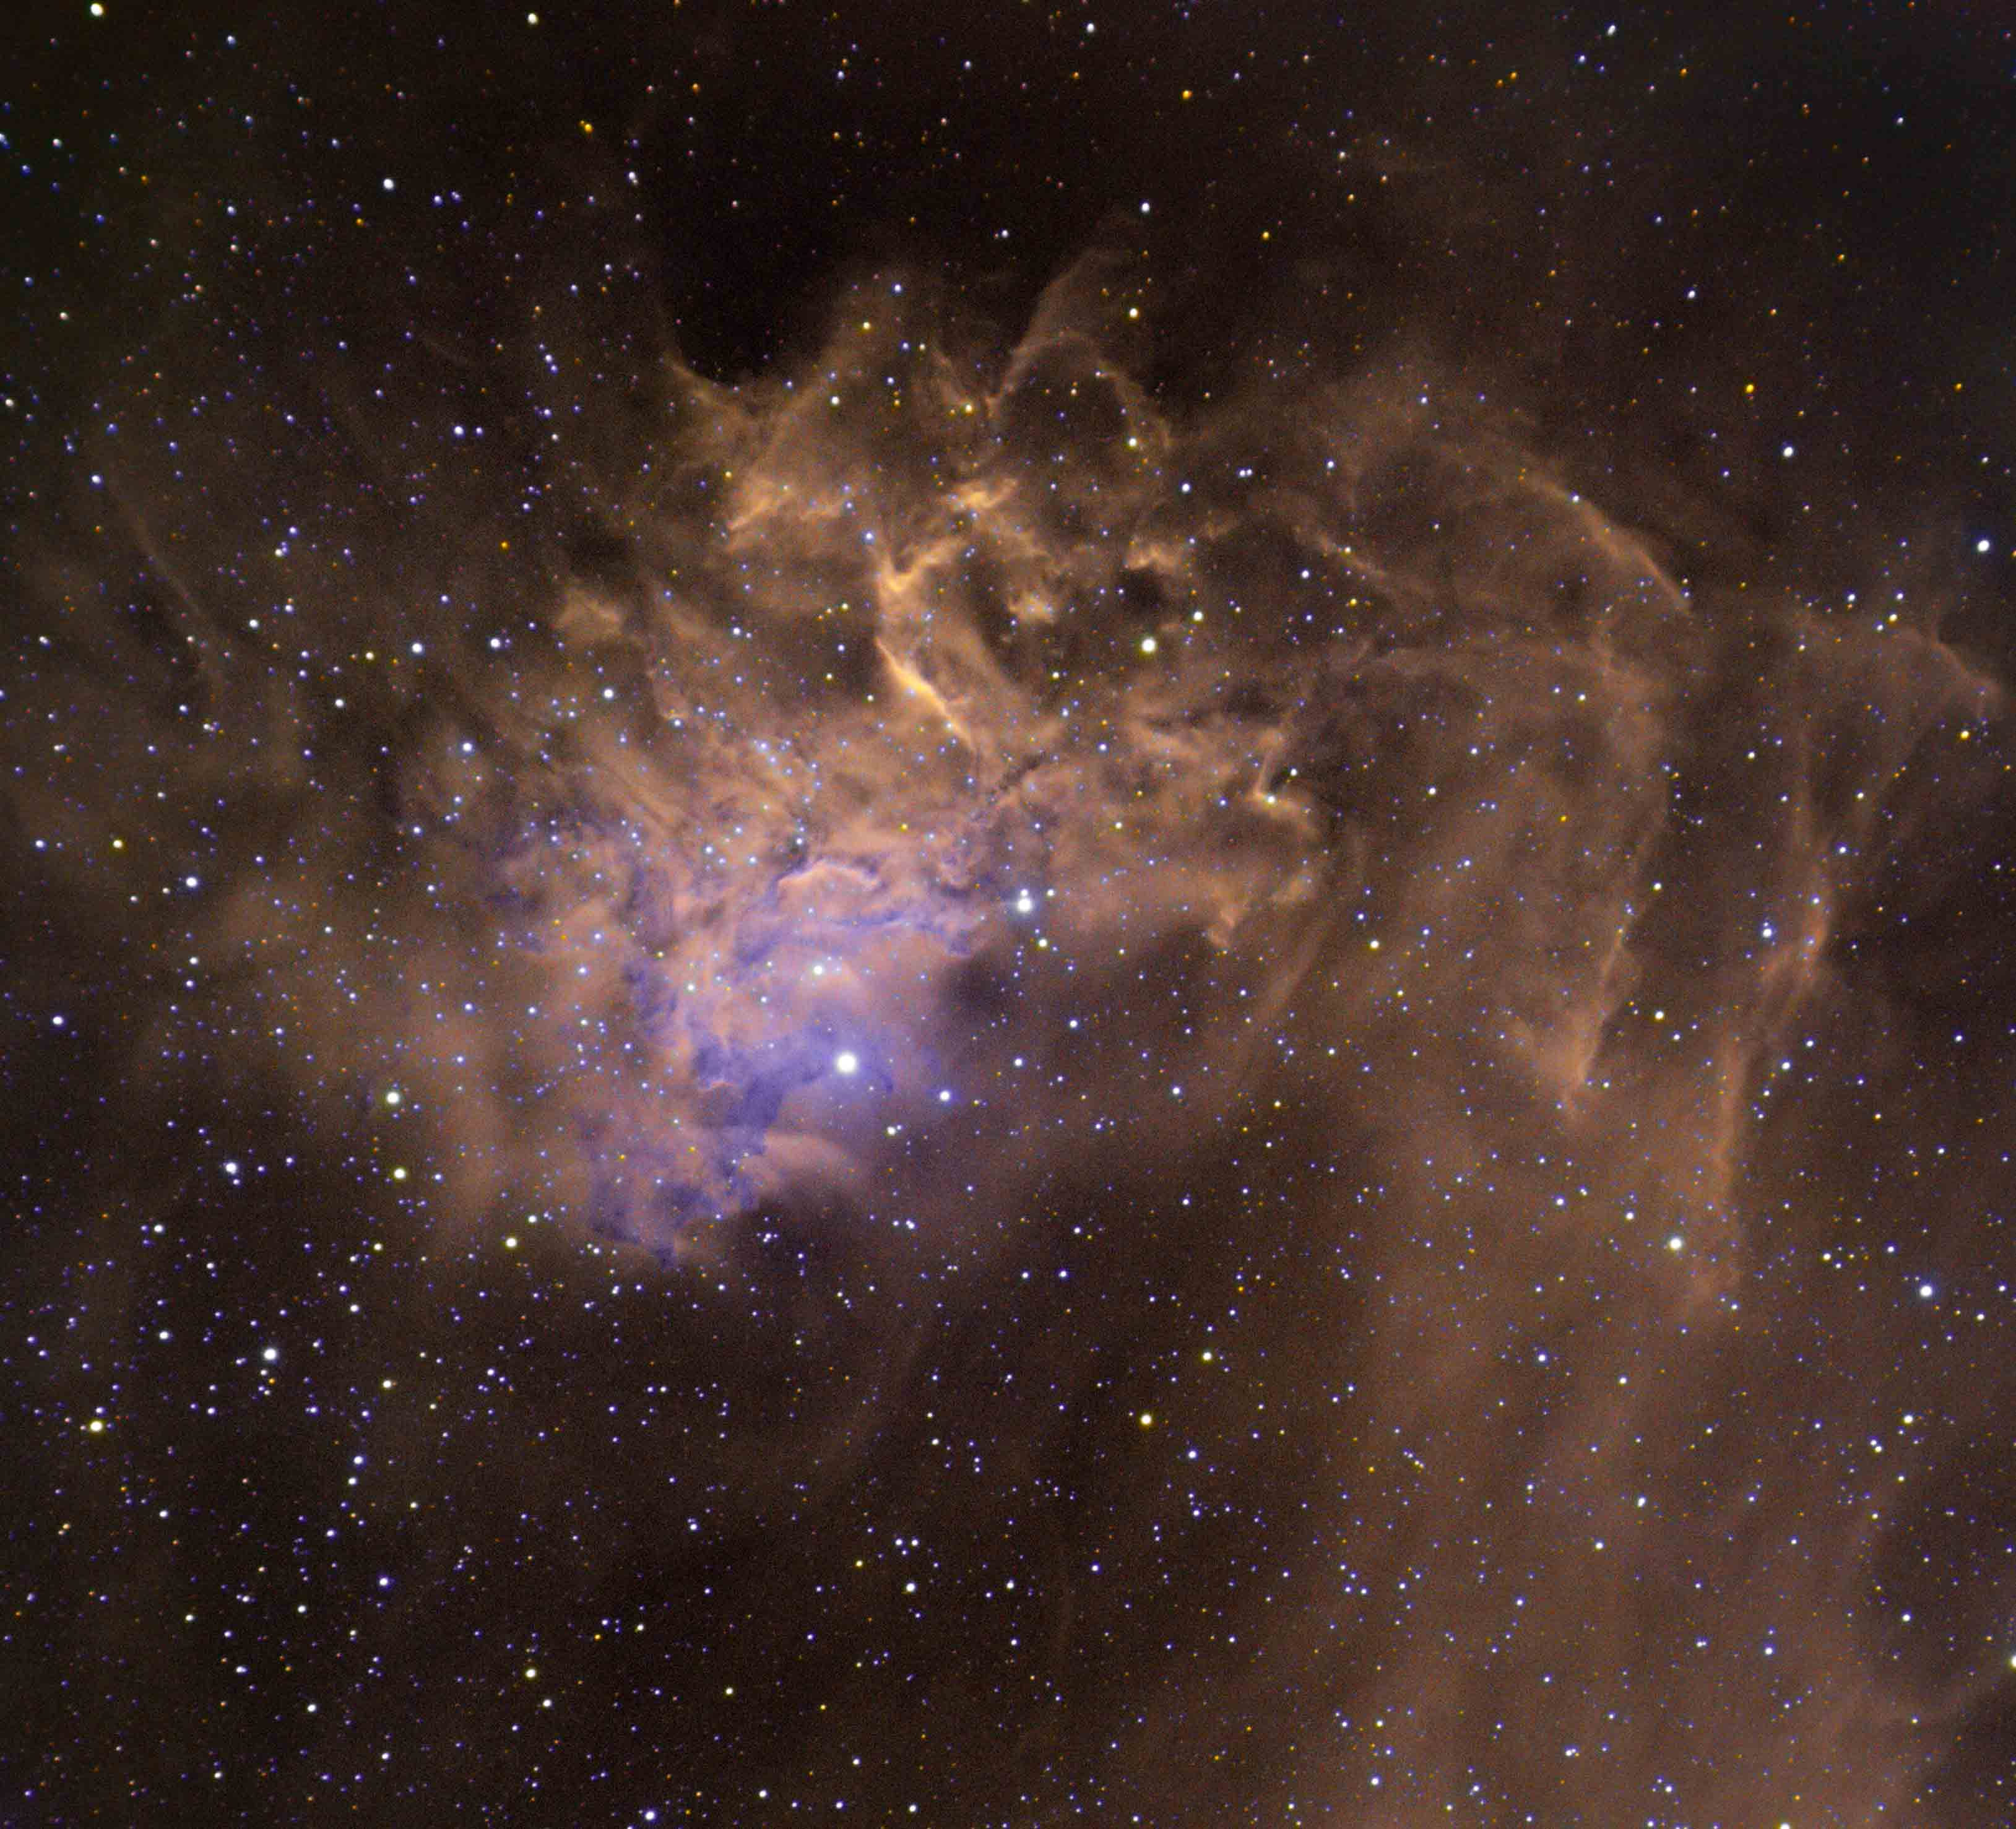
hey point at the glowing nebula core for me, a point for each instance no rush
(902, 674)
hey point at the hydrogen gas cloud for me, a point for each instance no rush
(999, 1073)
(887, 714)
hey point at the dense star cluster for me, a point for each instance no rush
(1062, 914)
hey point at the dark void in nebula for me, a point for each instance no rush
(868, 953)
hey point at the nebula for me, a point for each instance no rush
(892, 678)
(1075, 1054)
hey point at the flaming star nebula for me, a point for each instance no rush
(1095, 916)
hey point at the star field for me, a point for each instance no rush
(1039, 914)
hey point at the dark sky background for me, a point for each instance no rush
(1008, 915)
